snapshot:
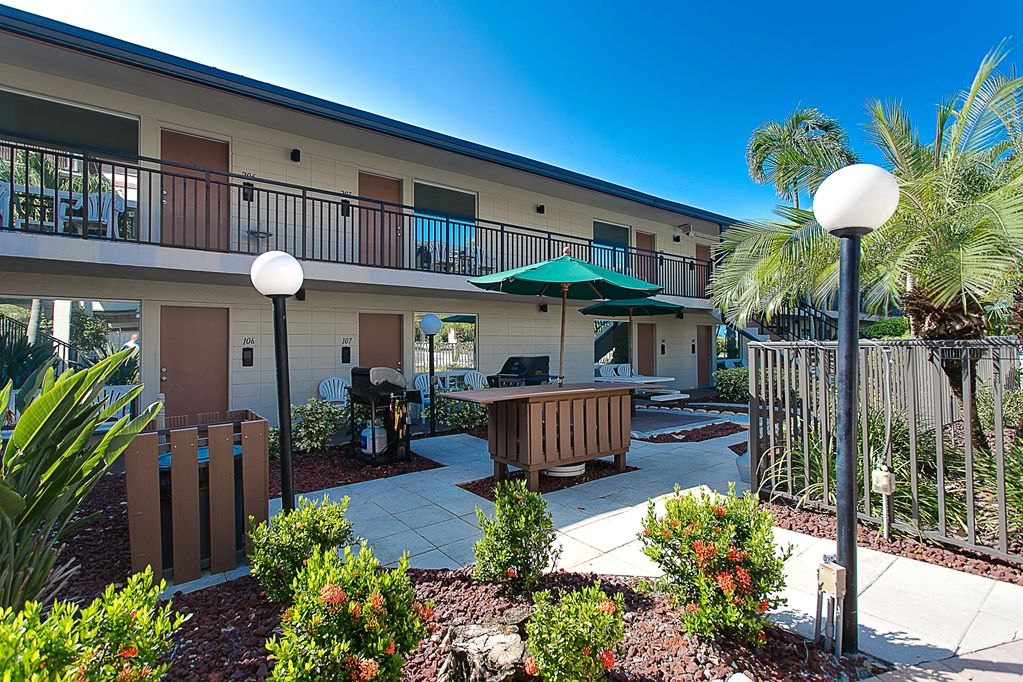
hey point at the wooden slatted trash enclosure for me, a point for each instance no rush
(533, 428)
(191, 491)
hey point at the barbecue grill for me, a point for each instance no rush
(384, 392)
(523, 370)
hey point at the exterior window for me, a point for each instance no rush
(44, 120)
(610, 243)
(76, 329)
(454, 348)
(445, 227)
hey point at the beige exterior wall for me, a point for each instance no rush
(506, 326)
(263, 151)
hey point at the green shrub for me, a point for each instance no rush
(273, 443)
(457, 413)
(1012, 407)
(314, 423)
(719, 561)
(281, 545)
(891, 328)
(123, 635)
(126, 375)
(19, 359)
(732, 384)
(361, 415)
(576, 639)
(50, 463)
(518, 542)
(351, 620)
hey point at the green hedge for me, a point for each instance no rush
(892, 328)
(732, 384)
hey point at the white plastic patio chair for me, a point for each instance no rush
(623, 370)
(474, 380)
(607, 371)
(334, 390)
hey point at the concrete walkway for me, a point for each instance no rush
(911, 612)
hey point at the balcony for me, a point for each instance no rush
(83, 195)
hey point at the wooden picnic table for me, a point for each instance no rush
(539, 427)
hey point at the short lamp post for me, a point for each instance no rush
(277, 275)
(850, 203)
(430, 325)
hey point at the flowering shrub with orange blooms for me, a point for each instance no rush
(123, 636)
(350, 620)
(577, 638)
(719, 561)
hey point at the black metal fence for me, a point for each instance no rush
(945, 416)
(153, 201)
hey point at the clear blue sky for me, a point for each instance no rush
(657, 96)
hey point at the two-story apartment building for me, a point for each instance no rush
(130, 175)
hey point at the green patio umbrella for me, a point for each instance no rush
(570, 277)
(638, 307)
(458, 318)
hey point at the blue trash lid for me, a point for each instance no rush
(164, 459)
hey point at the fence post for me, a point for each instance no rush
(754, 421)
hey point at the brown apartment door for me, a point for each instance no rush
(646, 258)
(196, 204)
(646, 349)
(704, 356)
(380, 338)
(701, 272)
(380, 224)
(193, 360)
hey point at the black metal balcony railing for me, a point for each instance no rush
(153, 201)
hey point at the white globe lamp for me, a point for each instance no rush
(850, 203)
(856, 199)
(276, 273)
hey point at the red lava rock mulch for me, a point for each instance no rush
(100, 546)
(739, 448)
(822, 524)
(224, 640)
(595, 469)
(328, 469)
(694, 435)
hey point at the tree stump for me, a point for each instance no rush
(484, 653)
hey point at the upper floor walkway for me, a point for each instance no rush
(94, 197)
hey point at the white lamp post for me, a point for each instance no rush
(850, 203)
(430, 325)
(277, 275)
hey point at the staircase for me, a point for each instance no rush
(67, 355)
(802, 322)
(606, 335)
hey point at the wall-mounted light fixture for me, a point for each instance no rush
(248, 189)
(541, 209)
(542, 307)
(676, 238)
(296, 155)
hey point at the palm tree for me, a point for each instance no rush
(796, 154)
(952, 252)
(954, 247)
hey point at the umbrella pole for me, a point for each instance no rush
(561, 355)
